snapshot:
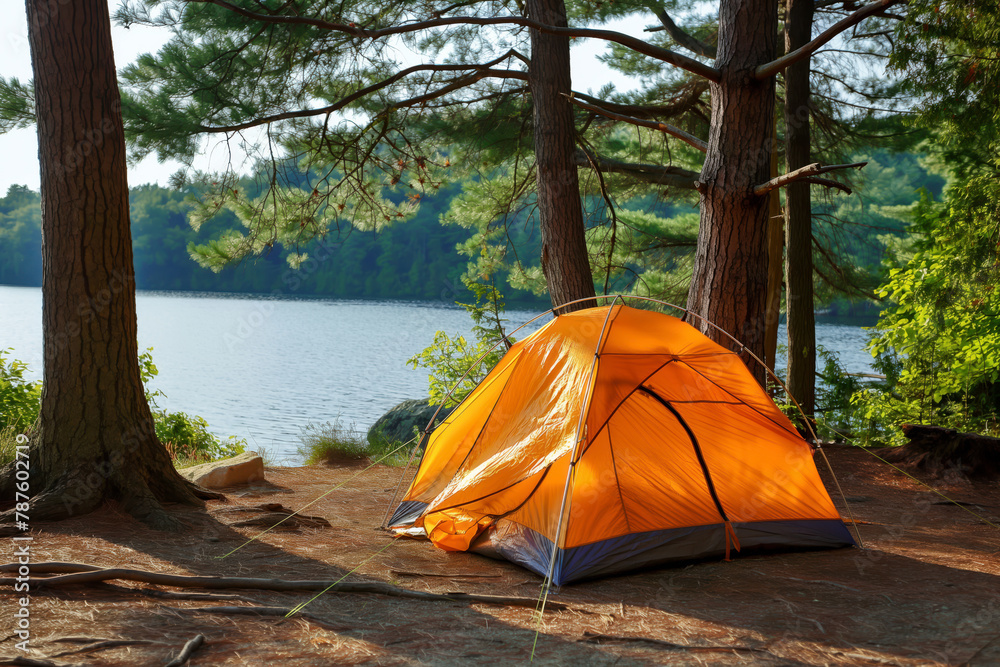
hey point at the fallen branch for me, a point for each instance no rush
(800, 173)
(187, 652)
(100, 645)
(686, 137)
(598, 638)
(215, 583)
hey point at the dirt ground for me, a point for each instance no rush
(924, 591)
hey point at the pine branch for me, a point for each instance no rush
(800, 173)
(682, 102)
(775, 66)
(655, 174)
(687, 138)
(827, 182)
(638, 45)
(689, 42)
(482, 71)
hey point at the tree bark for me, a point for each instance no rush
(729, 283)
(94, 438)
(798, 214)
(565, 261)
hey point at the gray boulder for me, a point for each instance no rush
(399, 423)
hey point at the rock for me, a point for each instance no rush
(247, 467)
(399, 423)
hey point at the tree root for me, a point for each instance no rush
(598, 638)
(185, 581)
(102, 644)
(187, 652)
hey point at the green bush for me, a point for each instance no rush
(19, 399)
(938, 342)
(8, 444)
(449, 359)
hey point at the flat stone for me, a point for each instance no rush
(242, 469)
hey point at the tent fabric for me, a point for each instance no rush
(614, 438)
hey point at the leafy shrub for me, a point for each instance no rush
(450, 358)
(8, 444)
(939, 341)
(19, 399)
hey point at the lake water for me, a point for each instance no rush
(263, 368)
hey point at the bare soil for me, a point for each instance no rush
(925, 590)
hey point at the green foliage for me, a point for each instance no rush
(947, 53)
(334, 443)
(456, 365)
(19, 399)
(941, 335)
(8, 444)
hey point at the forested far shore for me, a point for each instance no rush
(419, 259)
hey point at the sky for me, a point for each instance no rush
(19, 149)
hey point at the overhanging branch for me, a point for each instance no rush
(689, 42)
(687, 138)
(802, 173)
(637, 45)
(775, 66)
(480, 71)
(827, 182)
(655, 174)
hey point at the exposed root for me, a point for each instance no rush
(597, 638)
(187, 652)
(185, 581)
(102, 644)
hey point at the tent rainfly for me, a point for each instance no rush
(615, 438)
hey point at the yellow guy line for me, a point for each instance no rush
(316, 500)
(921, 483)
(543, 597)
(299, 607)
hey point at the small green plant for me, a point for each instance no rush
(333, 443)
(19, 399)
(452, 358)
(8, 444)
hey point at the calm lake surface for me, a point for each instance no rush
(263, 368)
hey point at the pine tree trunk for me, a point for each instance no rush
(565, 261)
(729, 284)
(798, 214)
(94, 438)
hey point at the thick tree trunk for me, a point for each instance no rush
(798, 215)
(94, 438)
(729, 284)
(565, 261)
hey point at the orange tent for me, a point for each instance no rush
(614, 438)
